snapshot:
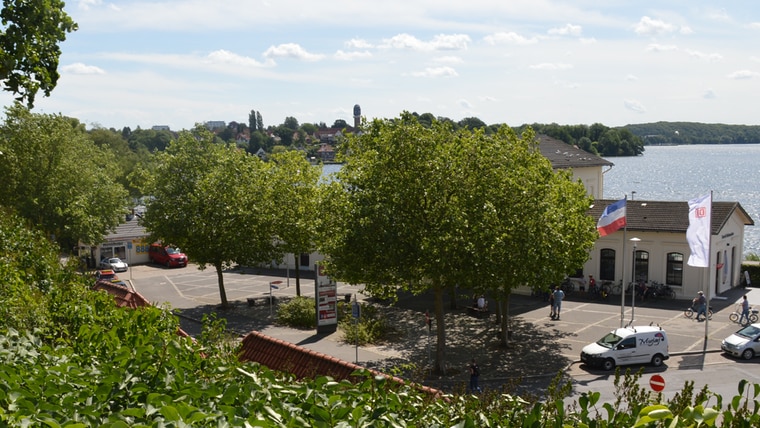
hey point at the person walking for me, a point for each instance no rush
(551, 304)
(701, 303)
(558, 296)
(474, 376)
(745, 310)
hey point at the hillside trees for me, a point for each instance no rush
(421, 209)
(30, 34)
(213, 201)
(54, 176)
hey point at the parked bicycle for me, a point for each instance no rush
(689, 312)
(660, 290)
(737, 313)
(568, 286)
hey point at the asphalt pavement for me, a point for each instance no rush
(193, 294)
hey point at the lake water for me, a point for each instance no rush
(680, 173)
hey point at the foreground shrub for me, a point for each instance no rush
(300, 312)
(371, 327)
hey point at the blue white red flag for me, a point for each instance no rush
(612, 219)
(698, 233)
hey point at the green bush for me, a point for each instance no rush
(300, 312)
(370, 328)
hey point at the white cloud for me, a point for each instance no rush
(449, 59)
(465, 104)
(567, 30)
(705, 56)
(508, 38)
(436, 72)
(652, 27)
(631, 78)
(439, 42)
(225, 57)
(80, 68)
(358, 44)
(743, 74)
(349, 56)
(291, 50)
(87, 4)
(634, 105)
(709, 94)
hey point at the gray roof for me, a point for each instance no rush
(665, 216)
(565, 156)
(130, 229)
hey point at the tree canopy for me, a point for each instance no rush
(54, 176)
(421, 208)
(30, 34)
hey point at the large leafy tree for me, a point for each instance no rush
(213, 201)
(429, 208)
(294, 183)
(30, 32)
(54, 176)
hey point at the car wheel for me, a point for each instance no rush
(657, 360)
(748, 354)
(608, 364)
(168, 264)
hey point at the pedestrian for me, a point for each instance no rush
(745, 310)
(551, 305)
(701, 303)
(558, 296)
(474, 376)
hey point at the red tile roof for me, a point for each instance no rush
(305, 363)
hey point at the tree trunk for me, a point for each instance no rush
(220, 280)
(440, 327)
(505, 330)
(298, 275)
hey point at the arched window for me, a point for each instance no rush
(642, 266)
(674, 272)
(607, 264)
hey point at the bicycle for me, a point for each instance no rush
(737, 313)
(689, 312)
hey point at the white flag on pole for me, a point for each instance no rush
(698, 233)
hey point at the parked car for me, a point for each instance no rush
(629, 345)
(167, 256)
(745, 343)
(114, 263)
(108, 275)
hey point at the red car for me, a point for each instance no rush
(167, 256)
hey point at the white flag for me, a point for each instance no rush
(698, 233)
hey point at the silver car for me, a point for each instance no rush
(114, 263)
(744, 343)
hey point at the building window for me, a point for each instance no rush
(305, 259)
(674, 273)
(641, 266)
(607, 264)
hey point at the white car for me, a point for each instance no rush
(744, 343)
(114, 263)
(629, 345)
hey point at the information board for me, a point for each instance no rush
(326, 298)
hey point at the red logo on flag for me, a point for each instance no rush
(700, 212)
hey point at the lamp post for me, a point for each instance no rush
(635, 284)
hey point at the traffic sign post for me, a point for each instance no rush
(657, 383)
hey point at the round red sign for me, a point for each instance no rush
(657, 383)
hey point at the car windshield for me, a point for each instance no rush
(114, 260)
(610, 340)
(170, 250)
(749, 332)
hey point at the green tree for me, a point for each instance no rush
(54, 176)
(30, 33)
(294, 188)
(214, 202)
(422, 208)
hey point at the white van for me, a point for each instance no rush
(629, 345)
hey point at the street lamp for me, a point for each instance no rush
(635, 285)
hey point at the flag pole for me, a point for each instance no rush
(625, 256)
(709, 272)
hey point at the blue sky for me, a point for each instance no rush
(177, 63)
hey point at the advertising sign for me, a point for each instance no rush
(326, 298)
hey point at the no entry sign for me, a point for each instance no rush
(657, 383)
